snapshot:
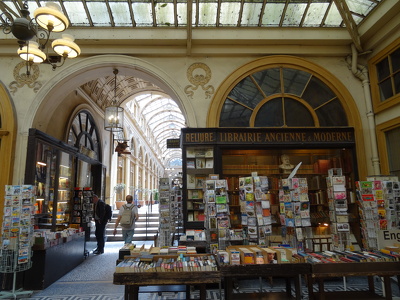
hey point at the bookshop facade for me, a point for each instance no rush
(234, 153)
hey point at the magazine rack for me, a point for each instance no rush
(16, 235)
(9, 264)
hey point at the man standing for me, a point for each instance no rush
(100, 219)
(128, 229)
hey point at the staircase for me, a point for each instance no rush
(146, 227)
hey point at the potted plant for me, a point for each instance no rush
(118, 188)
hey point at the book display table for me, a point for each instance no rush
(287, 270)
(369, 269)
(133, 281)
(50, 263)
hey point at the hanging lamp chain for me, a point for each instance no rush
(115, 87)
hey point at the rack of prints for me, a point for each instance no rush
(83, 205)
(255, 208)
(176, 210)
(379, 207)
(338, 210)
(294, 210)
(17, 229)
(217, 221)
(165, 224)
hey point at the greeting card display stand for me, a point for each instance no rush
(16, 237)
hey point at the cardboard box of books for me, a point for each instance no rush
(283, 254)
(247, 256)
(270, 255)
(234, 255)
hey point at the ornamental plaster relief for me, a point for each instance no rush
(21, 78)
(199, 75)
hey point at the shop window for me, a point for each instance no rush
(282, 97)
(393, 146)
(84, 135)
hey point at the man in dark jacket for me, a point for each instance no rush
(101, 222)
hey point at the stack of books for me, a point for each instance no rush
(178, 263)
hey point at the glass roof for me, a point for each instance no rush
(165, 119)
(208, 13)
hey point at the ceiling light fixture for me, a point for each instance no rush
(114, 114)
(47, 19)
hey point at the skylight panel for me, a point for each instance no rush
(333, 19)
(121, 14)
(207, 14)
(165, 14)
(14, 9)
(99, 13)
(272, 14)
(76, 13)
(182, 14)
(251, 14)
(294, 14)
(361, 7)
(143, 14)
(315, 14)
(229, 13)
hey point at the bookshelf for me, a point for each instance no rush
(198, 165)
(315, 164)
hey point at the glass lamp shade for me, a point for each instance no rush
(66, 46)
(32, 53)
(114, 118)
(51, 18)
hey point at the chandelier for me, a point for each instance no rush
(33, 34)
(114, 114)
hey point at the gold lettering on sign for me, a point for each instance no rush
(270, 137)
(202, 137)
(332, 136)
(242, 137)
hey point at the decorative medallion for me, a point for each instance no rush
(199, 74)
(22, 78)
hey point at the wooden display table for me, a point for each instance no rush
(133, 281)
(287, 270)
(369, 269)
(51, 263)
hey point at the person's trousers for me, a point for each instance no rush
(99, 233)
(127, 235)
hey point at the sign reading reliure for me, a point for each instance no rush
(333, 136)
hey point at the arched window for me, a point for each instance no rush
(84, 134)
(282, 97)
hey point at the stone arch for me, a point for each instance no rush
(8, 130)
(328, 78)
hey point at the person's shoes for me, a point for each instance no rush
(97, 252)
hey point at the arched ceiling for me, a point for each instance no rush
(101, 90)
(161, 113)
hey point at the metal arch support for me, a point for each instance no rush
(349, 21)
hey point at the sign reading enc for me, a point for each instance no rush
(388, 237)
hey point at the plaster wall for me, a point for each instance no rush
(50, 107)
